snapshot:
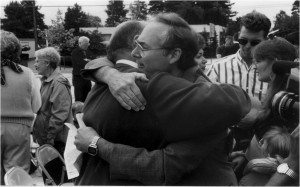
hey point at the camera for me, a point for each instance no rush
(286, 103)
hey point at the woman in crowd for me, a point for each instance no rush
(20, 99)
(56, 106)
(265, 55)
(199, 58)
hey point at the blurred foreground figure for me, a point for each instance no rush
(20, 99)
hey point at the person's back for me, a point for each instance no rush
(20, 99)
(18, 91)
(117, 125)
(144, 129)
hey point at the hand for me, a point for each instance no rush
(249, 120)
(84, 137)
(123, 88)
(293, 158)
(237, 158)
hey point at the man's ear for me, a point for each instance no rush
(175, 55)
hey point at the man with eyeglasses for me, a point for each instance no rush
(239, 69)
(172, 141)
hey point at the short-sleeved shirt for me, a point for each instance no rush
(234, 70)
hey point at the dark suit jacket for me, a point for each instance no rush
(78, 61)
(179, 139)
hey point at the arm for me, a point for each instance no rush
(209, 107)
(36, 100)
(158, 167)
(121, 85)
(61, 107)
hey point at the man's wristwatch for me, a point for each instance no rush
(93, 149)
(284, 169)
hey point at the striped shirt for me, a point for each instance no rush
(234, 70)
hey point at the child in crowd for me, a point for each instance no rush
(275, 146)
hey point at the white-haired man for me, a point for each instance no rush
(80, 57)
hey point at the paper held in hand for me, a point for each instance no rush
(73, 157)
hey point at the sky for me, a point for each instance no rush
(97, 7)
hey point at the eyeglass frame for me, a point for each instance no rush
(141, 48)
(252, 42)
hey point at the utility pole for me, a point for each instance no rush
(34, 25)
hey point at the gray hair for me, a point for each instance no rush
(10, 46)
(51, 54)
(83, 38)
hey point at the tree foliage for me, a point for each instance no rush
(156, 6)
(19, 18)
(116, 13)
(295, 9)
(57, 36)
(196, 12)
(138, 10)
(286, 22)
(233, 26)
(75, 18)
(93, 21)
(96, 40)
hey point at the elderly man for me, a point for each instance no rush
(159, 145)
(80, 56)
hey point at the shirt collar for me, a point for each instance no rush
(240, 59)
(127, 62)
(51, 77)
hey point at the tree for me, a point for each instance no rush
(93, 21)
(295, 9)
(138, 10)
(116, 13)
(286, 22)
(233, 26)
(19, 19)
(192, 14)
(75, 18)
(57, 36)
(156, 6)
(196, 12)
(96, 40)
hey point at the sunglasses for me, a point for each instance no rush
(245, 41)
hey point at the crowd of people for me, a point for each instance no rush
(156, 114)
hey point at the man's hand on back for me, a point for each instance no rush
(123, 88)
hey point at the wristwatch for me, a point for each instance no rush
(284, 169)
(93, 149)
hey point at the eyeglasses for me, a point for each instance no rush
(142, 49)
(245, 41)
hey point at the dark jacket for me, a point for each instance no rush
(78, 61)
(55, 109)
(167, 143)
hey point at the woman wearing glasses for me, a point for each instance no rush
(56, 106)
(265, 55)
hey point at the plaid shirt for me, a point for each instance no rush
(234, 70)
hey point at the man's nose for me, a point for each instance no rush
(135, 53)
